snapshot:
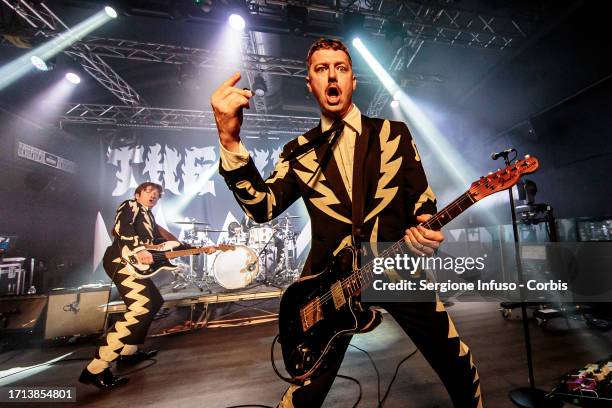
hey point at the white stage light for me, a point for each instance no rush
(357, 42)
(39, 63)
(73, 78)
(237, 22)
(394, 103)
(110, 12)
(397, 95)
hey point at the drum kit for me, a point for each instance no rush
(264, 254)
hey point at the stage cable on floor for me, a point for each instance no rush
(356, 381)
(381, 401)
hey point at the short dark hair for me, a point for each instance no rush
(148, 184)
(327, 44)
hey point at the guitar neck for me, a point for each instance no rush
(363, 277)
(185, 252)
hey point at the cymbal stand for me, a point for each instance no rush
(264, 272)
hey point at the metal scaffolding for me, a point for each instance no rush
(437, 21)
(251, 62)
(419, 22)
(143, 117)
(48, 24)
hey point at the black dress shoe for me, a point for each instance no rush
(104, 380)
(137, 357)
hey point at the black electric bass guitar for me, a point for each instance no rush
(318, 309)
(162, 254)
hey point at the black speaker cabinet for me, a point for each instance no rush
(21, 313)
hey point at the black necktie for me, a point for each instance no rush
(334, 131)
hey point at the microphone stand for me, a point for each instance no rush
(524, 397)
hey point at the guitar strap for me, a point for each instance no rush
(359, 189)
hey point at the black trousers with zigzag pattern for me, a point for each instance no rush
(433, 332)
(142, 300)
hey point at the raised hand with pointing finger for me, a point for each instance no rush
(227, 103)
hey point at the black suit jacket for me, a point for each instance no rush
(389, 189)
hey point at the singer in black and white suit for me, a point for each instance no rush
(362, 180)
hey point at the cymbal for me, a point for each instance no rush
(290, 216)
(211, 230)
(191, 222)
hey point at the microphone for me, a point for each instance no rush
(504, 153)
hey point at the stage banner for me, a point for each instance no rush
(186, 164)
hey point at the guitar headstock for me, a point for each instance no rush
(503, 178)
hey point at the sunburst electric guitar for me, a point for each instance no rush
(162, 254)
(318, 309)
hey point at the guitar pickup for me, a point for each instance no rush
(311, 314)
(338, 295)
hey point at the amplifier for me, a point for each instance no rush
(76, 311)
(21, 313)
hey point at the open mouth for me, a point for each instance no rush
(333, 94)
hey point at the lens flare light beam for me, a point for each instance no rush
(418, 122)
(14, 70)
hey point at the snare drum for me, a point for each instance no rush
(236, 269)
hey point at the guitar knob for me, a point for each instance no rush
(527, 156)
(490, 173)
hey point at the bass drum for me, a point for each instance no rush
(236, 269)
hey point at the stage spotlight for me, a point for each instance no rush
(110, 12)
(397, 95)
(39, 63)
(357, 42)
(237, 22)
(394, 104)
(259, 85)
(73, 78)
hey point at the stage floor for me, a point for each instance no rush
(222, 367)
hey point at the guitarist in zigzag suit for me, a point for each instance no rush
(362, 180)
(134, 228)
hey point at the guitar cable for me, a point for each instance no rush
(381, 401)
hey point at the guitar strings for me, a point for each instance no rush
(313, 306)
(328, 294)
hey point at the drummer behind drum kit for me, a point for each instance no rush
(264, 254)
